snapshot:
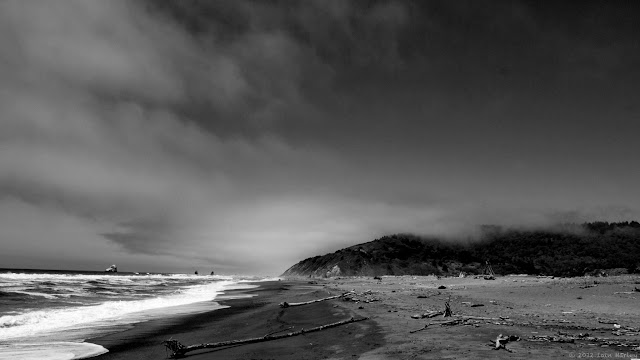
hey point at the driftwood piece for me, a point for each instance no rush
(451, 322)
(501, 318)
(458, 319)
(277, 331)
(427, 315)
(422, 328)
(448, 322)
(447, 308)
(463, 319)
(178, 350)
(502, 340)
(551, 338)
(571, 338)
(285, 304)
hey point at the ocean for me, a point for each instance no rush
(52, 314)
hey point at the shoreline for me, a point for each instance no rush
(248, 317)
(146, 337)
(554, 318)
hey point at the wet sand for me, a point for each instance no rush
(254, 317)
(554, 319)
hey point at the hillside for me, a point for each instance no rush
(568, 250)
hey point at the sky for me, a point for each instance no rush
(243, 136)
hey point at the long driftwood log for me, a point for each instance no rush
(448, 322)
(287, 304)
(501, 318)
(458, 319)
(178, 350)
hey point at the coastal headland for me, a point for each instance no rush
(544, 317)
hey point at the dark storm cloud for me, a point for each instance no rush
(251, 132)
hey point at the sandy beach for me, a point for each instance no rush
(553, 318)
(252, 317)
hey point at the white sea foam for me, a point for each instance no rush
(50, 351)
(259, 279)
(32, 293)
(29, 277)
(53, 320)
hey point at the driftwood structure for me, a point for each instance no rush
(447, 309)
(285, 304)
(178, 350)
(488, 272)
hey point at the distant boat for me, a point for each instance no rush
(112, 268)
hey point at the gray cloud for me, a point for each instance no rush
(97, 123)
(248, 135)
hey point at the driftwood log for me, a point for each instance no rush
(501, 318)
(422, 328)
(502, 340)
(458, 319)
(446, 322)
(427, 315)
(178, 350)
(285, 304)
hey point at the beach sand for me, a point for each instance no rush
(607, 309)
(253, 317)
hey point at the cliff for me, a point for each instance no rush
(571, 250)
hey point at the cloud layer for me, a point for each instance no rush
(244, 136)
(159, 139)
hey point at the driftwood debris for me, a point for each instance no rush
(178, 350)
(552, 338)
(500, 318)
(285, 304)
(447, 309)
(452, 322)
(502, 340)
(488, 272)
(462, 320)
(422, 328)
(441, 323)
(427, 315)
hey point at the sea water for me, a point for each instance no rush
(50, 314)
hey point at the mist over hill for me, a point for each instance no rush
(564, 250)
